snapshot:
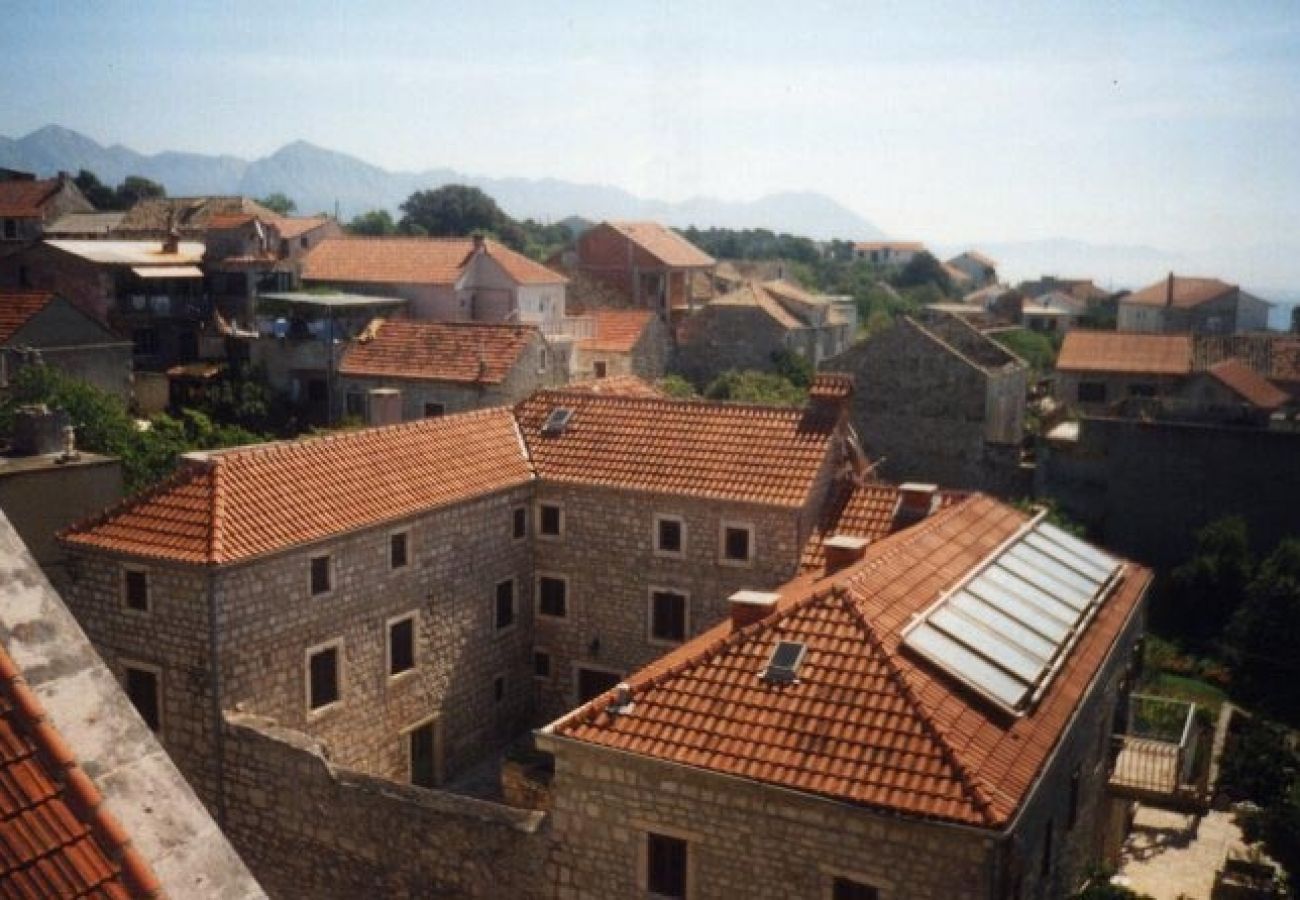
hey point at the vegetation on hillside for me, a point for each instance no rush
(278, 203)
(1035, 348)
(127, 194)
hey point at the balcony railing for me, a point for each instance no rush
(1162, 759)
(575, 327)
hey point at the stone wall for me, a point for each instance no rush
(722, 337)
(308, 827)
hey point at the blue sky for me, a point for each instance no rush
(1168, 124)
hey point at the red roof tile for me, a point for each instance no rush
(23, 198)
(16, 307)
(461, 352)
(864, 722)
(296, 226)
(617, 330)
(243, 503)
(751, 454)
(664, 244)
(56, 838)
(615, 385)
(412, 260)
(1187, 292)
(1249, 385)
(1119, 351)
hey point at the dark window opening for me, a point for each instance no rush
(670, 535)
(541, 664)
(520, 522)
(505, 604)
(1046, 867)
(665, 865)
(401, 646)
(11, 229)
(1073, 814)
(600, 368)
(320, 575)
(736, 544)
(668, 616)
(137, 591)
(356, 405)
(397, 546)
(433, 410)
(848, 889)
(324, 676)
(553, 596)
(142, 689)
(551, 519)
(499, 688)
(594, 682)
(1092, 392)
(1142, 389)
(423, 747)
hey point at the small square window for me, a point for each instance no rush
(401, 646)
(519, 522)
(541, 664)
(1072, 815)
(323, 677)
(505, 604)
(552, 596)
(552, 520)
(736, 543)
(669, 534)
(433, 410)
(1092, 392)
(144, 688)
(397, 549)
(668, 616)
(848, 889)
(600, 368)
(135, 586)
(320, 575)
(356, 405)
(666, 865)
(498, 689)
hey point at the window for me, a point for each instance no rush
(600, 368)
(11, 229)
(594, 682)
(135, 590)
(552, 520)
(1046, 868)
(397, 549)
(356, 405)
(670, 535)
(665, 865)
(667, 616)
(1072, 815)
(552, 596)
(320, 575)
(736, 543)
(145, 341)
(498, 689)
(505, 604)
(322, 677)
(1092, 392)
(401, 645)
(1142, 389)
(433, 410)
(422, 747)
(542, 360)
(541, 664)
(143, 685)
(519, 522)
(848, 889)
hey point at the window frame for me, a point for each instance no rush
(651, 637)
(130, 664)
(434, 721)
(648, 833)
(413, 618)
(537, 596)
(550, 664)
(316, 649)
(600, 368)
(542, 533)
(751, 543)
(329, 574)
(127, 572)
(516, 532)
(655, 535)
(405, 534)
(497, 627)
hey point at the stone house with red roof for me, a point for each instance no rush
(1200, 305)
(888, 254)
(652, 265)
(438, 368)
(43, 326)
(622, 342)
(28, 204)
(835, 739)
(980, 270)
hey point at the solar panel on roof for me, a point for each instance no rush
(783, 664)
(1004, 629)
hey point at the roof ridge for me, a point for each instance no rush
(677, 402)
(216, 527)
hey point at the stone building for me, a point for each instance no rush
(650, 264)
(41, 326)
(863, 735)
(446, 367)
(623, 342)
(980, 270)
(1199, 305)
(28, 204)
(752, 326)
(939, 402)
(888, 254)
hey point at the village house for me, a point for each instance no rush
(978, 268)
(43, 327)
(892, 730)
(84, 226)
(888, 254)
(1046, 316)
(653, 266)
(425, 369)
(155, 218)
(1080, 288)
(623, 342)
(754, 325)
(1199, 305)
(28, 204)
(939, 402)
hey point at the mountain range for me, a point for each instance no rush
(321, 180)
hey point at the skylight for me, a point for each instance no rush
(1004, 631)
(557, 421)
(783, 664)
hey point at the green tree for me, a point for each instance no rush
(279, 203)
(921, 269)
(135, 188)
(455, 210)
(794, 368)
(1263, 631)
(750, 386)
(1204, 592)
(100, 195)
(678, 387)
(1033, 347)
(377, 222)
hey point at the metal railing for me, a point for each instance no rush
(1161, 758)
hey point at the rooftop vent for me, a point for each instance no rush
(915, 501)
(783, 665)
(622, 703)
(557, 421)
(748, 607)
(842, 550)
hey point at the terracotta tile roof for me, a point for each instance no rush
(189, 215)
(1187, 293)
(461, 352)
(868, 511)
(1247, 384)
(912, 246)
(16, 307)
(664, 244)
(230, 220)
(831, 386)
(750, 454)
(56, 837)
(296, 226)
(1119, 351)
(617, 330)
(24, 198)
(756, 296)
(1275, 356)
(615, 385)
(232, 505)
(412, 260)
(865, 722)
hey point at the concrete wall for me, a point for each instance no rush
(41, 497)
(75, 343)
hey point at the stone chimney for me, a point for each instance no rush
(843, 550)
(1169, 290)
(915, 502)
(748, 607)
(384, 407)
(38, 430)
(172, 243)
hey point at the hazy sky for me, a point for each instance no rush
(1170, 124)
